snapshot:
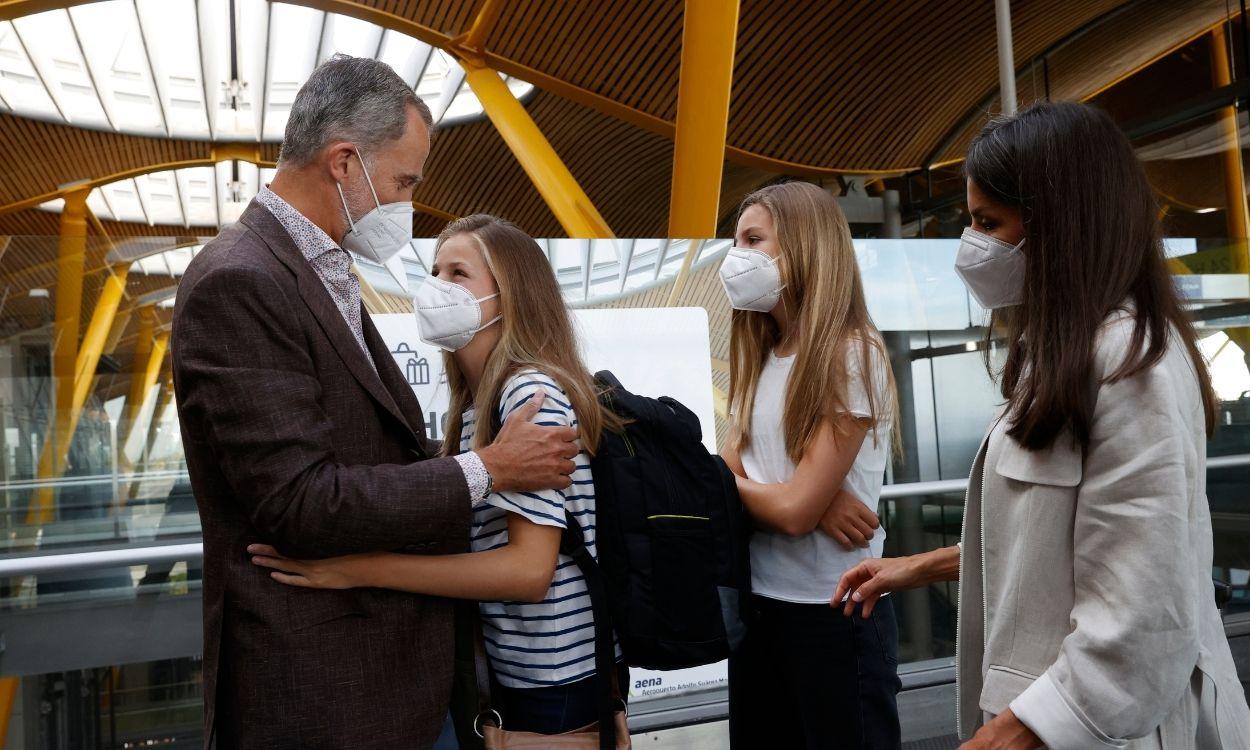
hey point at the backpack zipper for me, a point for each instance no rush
(629, 447)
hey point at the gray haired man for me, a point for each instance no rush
(301, 432)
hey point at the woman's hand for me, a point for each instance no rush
(1004, 732)
(849, 521)
(873, 578)
(334, 573)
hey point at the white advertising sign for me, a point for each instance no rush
(652, 351)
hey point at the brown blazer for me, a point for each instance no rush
(291, 438)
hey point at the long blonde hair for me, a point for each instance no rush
(825, 298)
(536, 332)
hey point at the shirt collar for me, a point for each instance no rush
(311, 240)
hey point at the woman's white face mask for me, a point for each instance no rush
(992, 270)
(751, 279)
(448, 315)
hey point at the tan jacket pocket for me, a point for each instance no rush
(1058, 466)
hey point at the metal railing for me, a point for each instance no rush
(194, 551)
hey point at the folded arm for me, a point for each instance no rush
(795, 507)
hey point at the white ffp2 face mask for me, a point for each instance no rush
(381, 233)
(448, 315)
(751, 279)
(992, 270)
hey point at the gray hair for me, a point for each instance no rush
(348, 99)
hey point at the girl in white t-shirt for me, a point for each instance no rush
(811, 400)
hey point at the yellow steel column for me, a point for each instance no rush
(679, 283)
(8, 694)
(487, 14)
(120, 322)
(709, 36)
(71, 258)
(1238, 216)
(1234, 183)
(141, 385)
(95, 340)
(144, 346)
(164, 397)
(556, 184)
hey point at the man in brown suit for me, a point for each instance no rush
(301, 432)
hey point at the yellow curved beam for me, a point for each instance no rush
(10, 9)
(563, 195)
(71, 256)
(558, 86)
(249, 152)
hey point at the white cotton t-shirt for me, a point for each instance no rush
(806, 569)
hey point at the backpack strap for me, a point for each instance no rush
(573, 544)
(481, 672)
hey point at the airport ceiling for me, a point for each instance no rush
(820, 89)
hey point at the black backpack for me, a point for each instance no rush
(671, 535)
(673, 570)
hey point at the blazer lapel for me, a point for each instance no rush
(392, 378)
(313, 291)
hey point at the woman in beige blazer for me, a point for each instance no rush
(1086, 608)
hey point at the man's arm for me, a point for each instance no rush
(247, 387)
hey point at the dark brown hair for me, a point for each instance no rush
(1092, 241)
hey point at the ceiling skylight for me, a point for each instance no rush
(190, 197)
(188, 69)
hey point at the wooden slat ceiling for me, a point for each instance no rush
(1128, 41)
(864, 85)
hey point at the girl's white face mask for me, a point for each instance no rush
(448, 315)
(992, 270)
(751, 279)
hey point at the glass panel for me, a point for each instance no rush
(57, 57)
(350, 36)
(123, 201)
(169, 29)
(20, 86)
(405, 54)
(118, 57)
(293, 39)
(151, 704)
(197, 188)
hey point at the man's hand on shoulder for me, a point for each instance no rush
(530, 457)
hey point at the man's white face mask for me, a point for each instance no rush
(381, 233)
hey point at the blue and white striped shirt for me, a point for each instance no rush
(551, 642)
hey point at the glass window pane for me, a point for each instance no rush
(117, 55)
(20, 86)
(169, 30)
